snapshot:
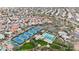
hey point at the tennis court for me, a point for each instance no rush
(21, 38)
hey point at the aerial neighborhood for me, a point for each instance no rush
(39, 29)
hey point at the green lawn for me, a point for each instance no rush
(57, 44)
(31, 45)
(27, 46)
(60, 42)
(60, 45)
(40, 41)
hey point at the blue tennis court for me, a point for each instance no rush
(23, 37)
(18, 40)
(15, 43)
(37, 29)
(32, 31)
(26, 35)
(49, 37)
